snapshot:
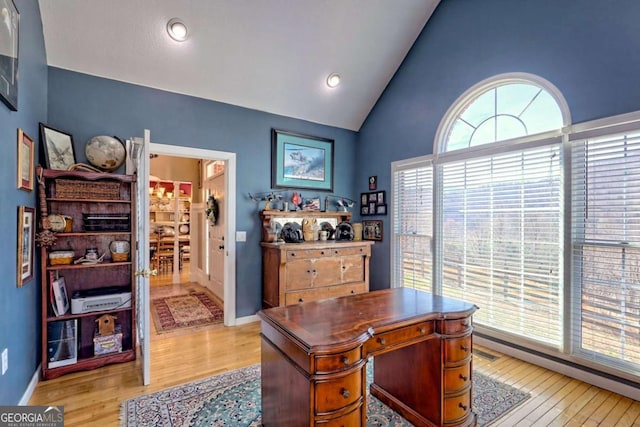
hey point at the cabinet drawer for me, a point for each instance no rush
(334, 394)
(457, 407)
(352, 419)
(323, 293)
(293, 255)
(337, 362)
(358, 250)
(457, 349)
(455, 326)
(456, 379)
(400, 336)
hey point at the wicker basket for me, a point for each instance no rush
(120, 256)
(74, 189)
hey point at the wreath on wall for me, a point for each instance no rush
(212, 210)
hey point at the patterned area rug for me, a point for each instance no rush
(233, 399)
(185, 311)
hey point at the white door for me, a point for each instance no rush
(216, 241)
(139, 152)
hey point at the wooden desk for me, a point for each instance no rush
(314, 359)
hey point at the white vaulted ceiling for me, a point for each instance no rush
(267, 55)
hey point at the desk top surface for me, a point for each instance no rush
(357, 317)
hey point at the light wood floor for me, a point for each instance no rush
(93, 398)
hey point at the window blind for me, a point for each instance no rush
(606, 249)
(501, 244)
(412, 222)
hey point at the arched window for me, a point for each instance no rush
(504, 107)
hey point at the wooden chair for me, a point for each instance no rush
(164, 254)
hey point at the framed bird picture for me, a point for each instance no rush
(58, 148)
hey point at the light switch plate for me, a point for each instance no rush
(241, 236)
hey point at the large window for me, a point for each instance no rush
(484, 220)
(606, 248)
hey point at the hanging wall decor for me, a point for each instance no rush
(213, 210)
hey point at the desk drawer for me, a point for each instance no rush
(457, 407)
(353, 418)
(337, 362)
(457, 349)
(455, 326)
(334, 394)
(456, 379)
(400, 336)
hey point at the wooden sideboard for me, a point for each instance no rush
(310, 271)
(314, 358)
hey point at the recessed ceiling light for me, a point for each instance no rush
(177, 29)
(333, 80)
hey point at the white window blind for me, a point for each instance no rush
(412, 222)
(501, 245)
(606, 250)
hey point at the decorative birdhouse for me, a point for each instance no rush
(106, 324)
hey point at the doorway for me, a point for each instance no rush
(199, 260)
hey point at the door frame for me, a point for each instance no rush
(229, 213)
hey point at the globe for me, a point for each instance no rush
(107, 153)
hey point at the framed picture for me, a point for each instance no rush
(25, 161)
(26, 230)
(301, 161)
(9, 54)
(373, 203)
(311, 204)
(58, 148)
(373, 183)
(372, 229)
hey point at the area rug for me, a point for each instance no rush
(233, 399)
(185, 311)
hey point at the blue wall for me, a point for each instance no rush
(20, 307)
(86, 106)
(589, 49)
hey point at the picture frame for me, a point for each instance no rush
(59, 152)
(373, 203)
(372, 229)
(25, 161)
(60, 302)
(312, 204)
(9, 54)
(25, 253)
(301, 161)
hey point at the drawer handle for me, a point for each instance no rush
(345, 360)
(464, 407)
(352, 291)
(345, 393)
(335, 252)
(321, 252)
(382, 341)
(464, 347)
(300, 300)
(293, 254)
(464, 377)
(423, 330)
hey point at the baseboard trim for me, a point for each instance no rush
(246, 319)
(565, 369)
(24, 400)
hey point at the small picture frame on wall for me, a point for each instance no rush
(25, 161)
(26, 231)
(372, 229)
(373, 203)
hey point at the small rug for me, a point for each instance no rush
(233, 399)
(185, 311)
